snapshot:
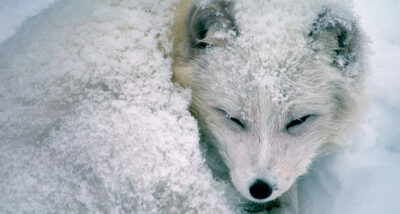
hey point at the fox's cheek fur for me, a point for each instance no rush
(269, 94)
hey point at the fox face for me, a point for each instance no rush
(269, 95)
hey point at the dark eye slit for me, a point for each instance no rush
(237, 121)
(297, 122)
(233, 119)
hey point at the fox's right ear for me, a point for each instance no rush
(211, 24)
(336, 33)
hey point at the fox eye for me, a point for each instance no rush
(236, 121)
(231, 119)
(297, 122)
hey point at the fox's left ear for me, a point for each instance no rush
(336, 33)
(211, 24)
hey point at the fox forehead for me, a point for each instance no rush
(278, 59)
(237, 76)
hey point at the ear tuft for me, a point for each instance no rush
(211, 24)
(336, 33)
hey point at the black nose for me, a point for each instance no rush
(260, 190)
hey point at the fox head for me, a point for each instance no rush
(272, 84)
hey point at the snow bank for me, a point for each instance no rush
(90, 121)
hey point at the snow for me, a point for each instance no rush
(364, 178)
(14, 13)
(89, 121)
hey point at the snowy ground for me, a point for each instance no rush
(75, 111)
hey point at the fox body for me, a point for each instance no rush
(274, 83)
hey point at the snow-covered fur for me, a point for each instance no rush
(274, 83)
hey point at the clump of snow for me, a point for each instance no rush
(90, 121)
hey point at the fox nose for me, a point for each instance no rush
(260, 190)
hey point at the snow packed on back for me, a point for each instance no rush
(90, 121)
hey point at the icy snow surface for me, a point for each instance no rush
(89, 121)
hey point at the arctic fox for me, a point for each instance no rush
(274, 83)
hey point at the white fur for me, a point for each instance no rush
(267, 72)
